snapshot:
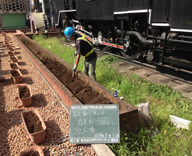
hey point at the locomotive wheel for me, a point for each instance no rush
(133, 51)
(125, 55)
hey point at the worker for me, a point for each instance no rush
(27, 23)
(83, 47)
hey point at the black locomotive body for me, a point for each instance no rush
(155, 31)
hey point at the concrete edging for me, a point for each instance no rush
(102, 150)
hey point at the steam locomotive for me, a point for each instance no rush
(154, 31)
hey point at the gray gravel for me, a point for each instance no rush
(13, 136)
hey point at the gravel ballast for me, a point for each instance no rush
(13, 136)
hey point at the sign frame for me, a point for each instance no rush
(97, 123)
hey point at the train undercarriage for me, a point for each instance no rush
(135, 39)
(152, 31)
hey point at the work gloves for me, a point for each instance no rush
(74, 68)
(75, 54)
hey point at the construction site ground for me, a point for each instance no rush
(14, 137)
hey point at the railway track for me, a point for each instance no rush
(179, 74)
(177, 79)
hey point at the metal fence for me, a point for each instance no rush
(14, 6)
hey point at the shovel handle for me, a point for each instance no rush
(73, 74)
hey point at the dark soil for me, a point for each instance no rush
(85, 93)
(33, 123)
(13, 66)
(10, 53)
(15, 73)
(13, 58)
(32, 154)
(24, 92)
(11, 49)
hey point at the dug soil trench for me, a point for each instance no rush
(85, 93)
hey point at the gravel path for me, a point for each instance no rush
(13, 136)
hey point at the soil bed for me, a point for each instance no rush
(14, 59)
(11, 49)
(32, 154)
(15, 73)
(11, 53)
(85, 93)
(33, 123)
(13, 66)
(24, 92)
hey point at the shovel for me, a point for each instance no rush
(73, 74)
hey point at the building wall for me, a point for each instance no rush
(13, 14)
(1, 21)
(14, 21)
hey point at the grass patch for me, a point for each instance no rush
(54, 44)
(163, 102)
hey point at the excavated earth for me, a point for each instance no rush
(85, 93)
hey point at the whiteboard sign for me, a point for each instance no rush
(94, 124)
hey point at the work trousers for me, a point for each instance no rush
(89, 68)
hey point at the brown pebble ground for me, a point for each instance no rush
(13, 136)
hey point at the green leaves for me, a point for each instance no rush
(108, 59)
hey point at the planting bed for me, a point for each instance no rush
(33, 151)
(15, 73)
(82, 87)
(14, 66)
(11, 53)
(24, 92)
(85, 93)
(14, 58)
(32, 154)
(33, 123)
